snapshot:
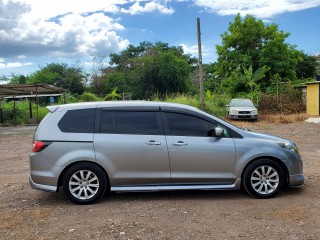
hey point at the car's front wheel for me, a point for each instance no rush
(263, 178)
(84, 183)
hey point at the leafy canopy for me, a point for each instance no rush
(250, 49)
(150, 69)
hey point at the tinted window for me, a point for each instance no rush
(185, 125)
(78, 121)
(107, 122)
(122, 122)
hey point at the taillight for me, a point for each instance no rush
(38, 146)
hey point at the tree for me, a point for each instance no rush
(318, 64)
(60, 75)
(251, 79)
(151, 69)
(249, 42)
(18, 79)
(163, 74)
(130, 57)
(115, 80)
(307, 68)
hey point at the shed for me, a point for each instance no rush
(313, 98)
(15, 92)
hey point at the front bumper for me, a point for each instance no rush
(243, 116)
(296, 180)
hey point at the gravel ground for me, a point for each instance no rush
(29, 214)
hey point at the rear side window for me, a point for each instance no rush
(78, 121)
(127, 122)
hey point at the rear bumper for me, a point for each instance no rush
(42, 187)
(296, 180)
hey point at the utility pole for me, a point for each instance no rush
(200, 65)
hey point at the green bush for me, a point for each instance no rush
(89, 97)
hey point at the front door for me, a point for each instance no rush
(195, 157)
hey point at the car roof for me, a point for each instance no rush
(104, 104)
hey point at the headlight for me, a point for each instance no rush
(233, 111)
(289, 146)
(254, 111)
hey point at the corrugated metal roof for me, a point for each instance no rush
(29, 89)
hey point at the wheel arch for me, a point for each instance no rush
(78, 162)
(276, 160)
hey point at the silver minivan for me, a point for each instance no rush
(91, 148)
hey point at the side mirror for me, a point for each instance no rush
(227, 105)
(218, 132)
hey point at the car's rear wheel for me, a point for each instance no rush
(84, 183)
(263, 178)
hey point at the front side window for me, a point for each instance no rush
(130, 122)
(186, 125)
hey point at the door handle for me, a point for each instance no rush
(153, 142)
(180, 143)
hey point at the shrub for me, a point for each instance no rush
(89, 97)
(21, 114)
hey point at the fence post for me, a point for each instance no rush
(30, 109)
(14, 111)
(1, 116)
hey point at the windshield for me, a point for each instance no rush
(241, 103)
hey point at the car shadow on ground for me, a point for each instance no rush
(59, 198)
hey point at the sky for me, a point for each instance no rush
(34, 33)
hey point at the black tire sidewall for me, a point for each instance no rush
(254, 165)
(85, 166)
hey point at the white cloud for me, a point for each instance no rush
(67, 35)
(22, 57)
(149, 7)
(46, 9)
(193, 50)
(72, 28)
(14, 65)
(259, 8)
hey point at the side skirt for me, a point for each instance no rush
(235, 185)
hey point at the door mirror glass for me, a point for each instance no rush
(218, 132)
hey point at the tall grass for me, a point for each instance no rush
(215, 106)
(20, 114)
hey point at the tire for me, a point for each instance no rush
(84, 183)
(263, 178)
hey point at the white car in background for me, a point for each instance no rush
(241, 108)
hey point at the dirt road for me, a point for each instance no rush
(29, 214)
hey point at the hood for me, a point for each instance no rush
(268, 137)
(243, 108)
